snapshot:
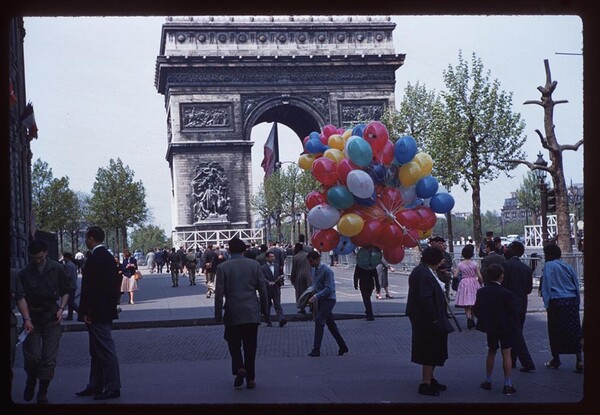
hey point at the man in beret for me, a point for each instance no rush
(238, 279)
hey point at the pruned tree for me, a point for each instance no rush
(549, 141)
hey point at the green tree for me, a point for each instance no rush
(528, 195)
(117, 201)
(41, 178)
(476, 131)
(148, 237)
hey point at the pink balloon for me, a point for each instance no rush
(341, 131)
(304, 140)
(324, 170)
(324, 140)
(329, 129)
(344, 167)
(376, 134)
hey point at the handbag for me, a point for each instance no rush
(138, 275)
(456, 281)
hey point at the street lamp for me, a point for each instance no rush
(541, 173)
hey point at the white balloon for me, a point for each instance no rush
(323, 216)
(360, 183)
(409, 194)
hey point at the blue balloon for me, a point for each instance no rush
(359, 129)
(405, 149)
(340, 197)
(426, 187)
(360, 152)
(378, 172)
(441, 202)
(345, 246)
(368, 257)
(315, 146)
(370, 201)
(315, 136)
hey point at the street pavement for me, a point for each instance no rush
(171, 352)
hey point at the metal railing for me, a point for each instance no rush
(193, 239)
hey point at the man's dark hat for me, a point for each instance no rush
(237, 245)
(436, 239)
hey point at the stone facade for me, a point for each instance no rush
(222, 75)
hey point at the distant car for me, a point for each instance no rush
(140, 258)
(514, 237)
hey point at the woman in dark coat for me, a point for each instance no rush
(426, 309)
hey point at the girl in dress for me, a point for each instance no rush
(470, 282)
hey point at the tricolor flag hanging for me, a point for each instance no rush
(28, 120)
(271, 152)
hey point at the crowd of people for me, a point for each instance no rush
(493, 294)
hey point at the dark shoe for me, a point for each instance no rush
(527, 369)
(552, 364)
(315, 353)
(43, 391)
(508, 389)
(282, 323)
(88, 392)
(29, 389)
(425, 389)
(370, 318)
(302, 311)
(578, 368)
(470, 323)
(388, 296)
(438, 385)
(239, 378)
(343, 349)
(486, 385)
(251, 384)
(108, 395)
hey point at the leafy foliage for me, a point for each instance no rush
(148, 237)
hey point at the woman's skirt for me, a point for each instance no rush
(129, 284)
(564, 326)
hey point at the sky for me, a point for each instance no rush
(91, 81)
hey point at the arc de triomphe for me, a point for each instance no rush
(221, 75)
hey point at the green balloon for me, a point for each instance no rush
(368, 257)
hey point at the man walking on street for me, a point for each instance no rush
(173, 262)
(45, 283)
(238, 279)
(100, 293)
(324, 299)
(274, 281)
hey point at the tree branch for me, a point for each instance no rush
(543, 139)
(561, 101)
(573, 147)
(534, 102)
(532, 166)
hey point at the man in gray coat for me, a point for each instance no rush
(238, 279)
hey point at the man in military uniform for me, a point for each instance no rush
(46, 288)
(17, 299)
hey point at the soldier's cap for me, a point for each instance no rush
(436, 239)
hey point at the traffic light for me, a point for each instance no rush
(551, 204)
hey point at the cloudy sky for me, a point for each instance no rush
(91, 80)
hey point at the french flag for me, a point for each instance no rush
(271, 152)
(28, 120)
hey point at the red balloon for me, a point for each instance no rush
(315, 198)
(408, 218)
(325, 171)
(370, 234)
(386, 155)
(304, 140)
(325, 239)
(391, 198)
(341, 130)
(411, 238)
(324, 140)
(394, 255)
(344, 167)
(392, 234)
(376, 134)
(427, 218)
(329, 129)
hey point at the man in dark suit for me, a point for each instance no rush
(518, 279)
(367, 280)
(238, 279)
(274, 278)
(491, 257)
(100, 292)
(496, 315)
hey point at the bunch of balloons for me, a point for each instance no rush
(375, 194)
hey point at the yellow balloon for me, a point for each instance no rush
(350, 225)
(306, 161)
(347, 134)
(336, 141)
(425, 234)
(425, 162)
(409, 173)
(334, 154)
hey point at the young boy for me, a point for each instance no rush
(496, 315)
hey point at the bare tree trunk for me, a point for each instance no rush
(124, 236)
(450, 236)
(476, 198)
